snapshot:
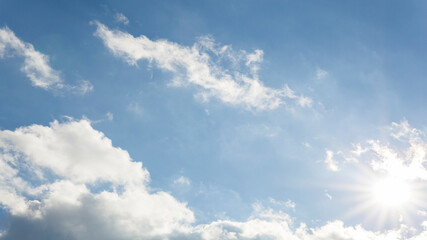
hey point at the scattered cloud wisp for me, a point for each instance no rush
(121, 18)
(404, 155)
(36, 65)
(217, 71)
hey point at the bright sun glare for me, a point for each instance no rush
(391, 192)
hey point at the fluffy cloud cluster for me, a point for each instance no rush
(217, 71)
(68, 176)
(36, 65)
(404, 156)
(67, 181)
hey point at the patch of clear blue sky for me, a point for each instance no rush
(374, 52)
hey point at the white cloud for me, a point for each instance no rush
(267, 224)
(36, 65)
(286, 204)
(422, 213)
(262, 224)
(330, 161)
(216, 71)
(321, 74)
(337, 231)
(182, 181)
(53, 173)
(306, 144)
(55, 148)
(110, 116)
(329, 196)
(407, 163)
(120, 18)
(84, 87)
(305, 101)
(135, 108)
(67, 181)
(403, 156)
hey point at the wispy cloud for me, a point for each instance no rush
(83, 88)
(329, 196)
(306, 144)
(110, 116)
(321, 74)
(36, 65)
(330, 161)
(183, 181)
(216, 71)
(404, 157)
(120, 18)
(286, 204)
(135, 108)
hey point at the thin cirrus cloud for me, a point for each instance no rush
(68, 181)
(321, 74)
(36, 65)
(216, 71)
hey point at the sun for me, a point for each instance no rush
(382, 200)
(391, 192)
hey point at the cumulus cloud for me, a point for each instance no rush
(36, 65)
(266, 223)
(68, 181)
(69, 177)
(216, 71)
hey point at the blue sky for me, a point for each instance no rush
(280, 114)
